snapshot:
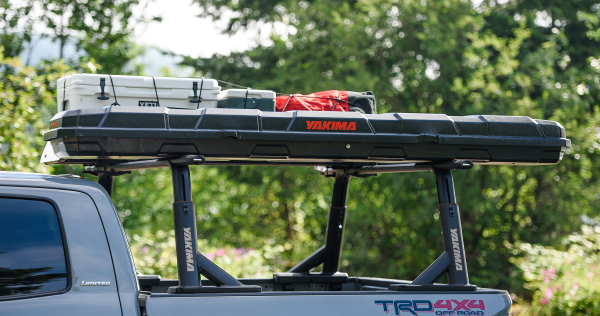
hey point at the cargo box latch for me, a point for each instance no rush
(429, 138)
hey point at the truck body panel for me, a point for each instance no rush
(331, 303)
(96, 246)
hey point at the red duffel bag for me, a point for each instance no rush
(332, 100)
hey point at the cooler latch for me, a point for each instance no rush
(102, 84)
(197, 97)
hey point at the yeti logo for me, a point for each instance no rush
(148, 103)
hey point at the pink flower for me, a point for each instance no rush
(543, 271)
(547, 280)
(210, 256)
(548, 293)
(144, 250)
(236, 259)
(552, 273)
(239, 251)
(590, 275)
(575, 286)
(544, 301)
(220, 252)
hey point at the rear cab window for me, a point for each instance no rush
(32, 254)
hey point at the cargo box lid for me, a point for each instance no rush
(247, 93)
(302, 136)
(137, 82)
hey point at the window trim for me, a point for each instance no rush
(65, 248)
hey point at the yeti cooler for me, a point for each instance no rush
(263, 100)
(88, 91)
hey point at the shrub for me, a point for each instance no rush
(155, 254)
(564, 281)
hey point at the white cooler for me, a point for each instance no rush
(87, 91)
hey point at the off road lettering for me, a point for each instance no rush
(189, 255)
(331, 125)
(456, 249)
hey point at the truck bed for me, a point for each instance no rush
(356, 296)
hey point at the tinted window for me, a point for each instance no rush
(32, 258)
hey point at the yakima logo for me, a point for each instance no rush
(331, 125)
(189, 255)
(456, 250)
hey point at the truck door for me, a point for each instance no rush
(54, 256)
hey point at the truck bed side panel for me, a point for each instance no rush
(329, 304)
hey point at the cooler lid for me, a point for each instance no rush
(138, 82)
(241, 93)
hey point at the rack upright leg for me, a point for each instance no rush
(107, 182)
(452, 261)
(336, 223)
(451, 228)
(184, 216)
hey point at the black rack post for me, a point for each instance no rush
(452, 261)
(336, 223)
(329, 254)
(184, 216)
(107, 181)
(451, 228)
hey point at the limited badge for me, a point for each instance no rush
(86, 283)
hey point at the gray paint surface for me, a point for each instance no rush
(347, 305)
(89, 219)
(89, 261)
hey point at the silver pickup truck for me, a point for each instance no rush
(63, 250)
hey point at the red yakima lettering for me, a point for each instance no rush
(331, 125)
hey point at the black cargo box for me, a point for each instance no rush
(304, 137)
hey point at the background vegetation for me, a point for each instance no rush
(531, 58)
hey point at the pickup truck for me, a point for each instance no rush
(64, 251)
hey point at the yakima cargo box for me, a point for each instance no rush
(302, 136)
(263, 100)
(87, 91)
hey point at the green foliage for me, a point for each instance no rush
(564, 280)
(433, 56)
(234, 207)
(441, 57)
(100, 30)
(154, 253)
(27, 102)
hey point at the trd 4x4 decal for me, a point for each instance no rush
(441, 307)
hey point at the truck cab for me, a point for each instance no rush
(63, 249)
